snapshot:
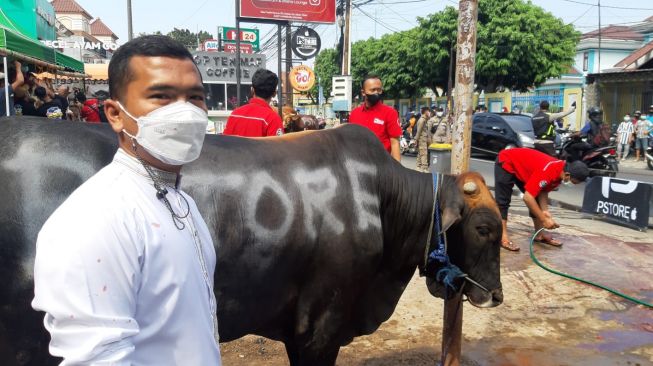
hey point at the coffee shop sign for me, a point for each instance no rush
(83, 45)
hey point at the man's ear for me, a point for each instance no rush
(112, 111)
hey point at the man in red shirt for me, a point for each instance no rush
(257, 119)
(535, 174)
(90, 111)
(381, 119)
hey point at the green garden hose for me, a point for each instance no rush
(640, 302)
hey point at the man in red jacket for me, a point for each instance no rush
(535, 174)
(90, 111)
(257, 118)
(381, 119)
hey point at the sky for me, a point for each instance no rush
(373, 20)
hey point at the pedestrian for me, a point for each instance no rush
(535, 174)
(379, 118)
(440, 128)
(13, 82)
(423, 137)
(62, 98)
(48, 107)
(257, 118)
(544, 127)
(642, 130)
(624, 137)
(89, 112)
(124, 267)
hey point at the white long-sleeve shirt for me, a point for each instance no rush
(119, 283)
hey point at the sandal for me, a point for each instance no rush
(549, 241)
(509, 245)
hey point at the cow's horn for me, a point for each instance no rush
(470, 188)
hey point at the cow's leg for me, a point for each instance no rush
(300, 355)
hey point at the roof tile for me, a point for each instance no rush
(69, 6)
(619, 32)
(98, 28)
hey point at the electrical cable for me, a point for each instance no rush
(614, 292)
(607, 6)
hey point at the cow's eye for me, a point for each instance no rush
(483, 230)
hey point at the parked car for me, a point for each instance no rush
(493, 132)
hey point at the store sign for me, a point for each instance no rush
(310, 11)
(83, 45)
(221, 66)
(302, 78)
(231, 48)
(211, 45)
(625, 201)
(305, 43)
(43, 13)
(247, 35)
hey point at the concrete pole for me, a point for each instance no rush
(346, 54)
(461, 149)
(6, 72)
(279, 88)
(130, 32)
(289, 89)
(463, 102)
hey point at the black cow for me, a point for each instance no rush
(317, 233)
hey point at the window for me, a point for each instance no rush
(585, 61)
(231, 95)
(215, 97)
(77, 24)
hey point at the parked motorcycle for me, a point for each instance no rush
(407, 144)
(602, 161)
(648, 155)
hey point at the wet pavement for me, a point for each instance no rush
(550, 320)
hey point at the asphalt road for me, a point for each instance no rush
(570, 196)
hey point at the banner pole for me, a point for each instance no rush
(238, 53)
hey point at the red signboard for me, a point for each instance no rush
(244, 48)
(311, 11)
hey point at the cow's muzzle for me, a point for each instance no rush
(485, 299)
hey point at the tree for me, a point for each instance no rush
(392, 58)
(326, 66)
(519, 45)
(188, 38)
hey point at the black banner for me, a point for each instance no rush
(625, 201)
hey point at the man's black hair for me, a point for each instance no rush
(577, 170)
(81, 97)
(40, 92)
(264, 83)
(544, 105)
(424, 109)
(370, 77)
(149, 46)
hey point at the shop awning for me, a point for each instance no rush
(93, 72)
(14, 43)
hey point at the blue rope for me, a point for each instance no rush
(447, 272)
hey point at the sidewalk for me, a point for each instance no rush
(550, 320)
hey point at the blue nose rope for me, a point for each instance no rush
(447, 273)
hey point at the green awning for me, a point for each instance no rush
(13, 40)
(69, 62)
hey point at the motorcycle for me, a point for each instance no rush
(648, 155)
(407, 144)
(602, 161)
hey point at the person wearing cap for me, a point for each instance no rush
(13, 83)
(535, 174)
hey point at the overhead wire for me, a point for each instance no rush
(607, 6)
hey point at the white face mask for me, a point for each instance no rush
(439, 114)
(626, 119)
(173, 134)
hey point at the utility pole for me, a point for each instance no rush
(461, 149)
(599, 3)
(130, 32)
(289, 89)
(346, 54)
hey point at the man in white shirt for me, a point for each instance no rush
(124, 267)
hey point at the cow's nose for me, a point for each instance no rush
(497, 296)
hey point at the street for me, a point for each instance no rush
(569, 197)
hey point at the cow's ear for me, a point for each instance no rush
(453, 204)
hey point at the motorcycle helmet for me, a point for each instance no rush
(595, 114)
